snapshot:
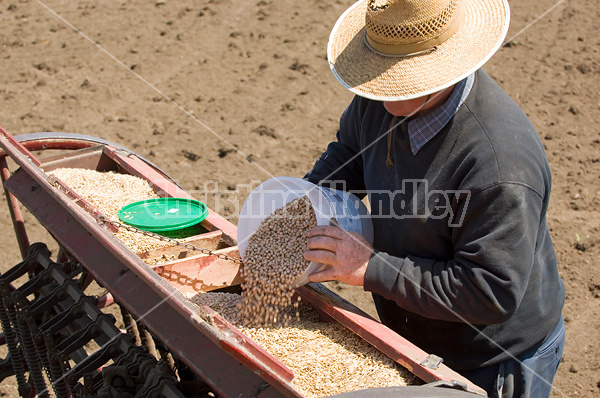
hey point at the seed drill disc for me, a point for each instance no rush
(163, 214)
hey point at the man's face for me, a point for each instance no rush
(417, 105)
(405, 108)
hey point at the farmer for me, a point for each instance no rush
(462, 262)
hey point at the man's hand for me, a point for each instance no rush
(346, 255)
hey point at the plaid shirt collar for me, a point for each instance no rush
(423, 128)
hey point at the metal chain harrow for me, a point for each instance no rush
(49, 323)
(101, 219)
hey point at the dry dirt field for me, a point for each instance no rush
(185, 83)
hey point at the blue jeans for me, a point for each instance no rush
(530, 375)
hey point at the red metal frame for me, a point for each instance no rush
(15, 211)
(226, 359)
(17, 146)
(46, 144)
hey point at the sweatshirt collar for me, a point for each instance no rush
(423, 128)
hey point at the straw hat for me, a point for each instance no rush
(391, 50)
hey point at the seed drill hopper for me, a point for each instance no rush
(61, 335)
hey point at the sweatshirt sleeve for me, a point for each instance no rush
(484, 282)
(340, 166)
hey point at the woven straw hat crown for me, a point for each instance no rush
(402, 49)
(398, 22)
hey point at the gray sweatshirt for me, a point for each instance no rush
(464, 266)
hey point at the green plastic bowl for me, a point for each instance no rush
(163, 214)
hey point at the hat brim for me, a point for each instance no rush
(374, 76)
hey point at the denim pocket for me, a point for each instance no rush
(555, 343)
(544, 362)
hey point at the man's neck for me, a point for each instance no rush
(434, 100)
